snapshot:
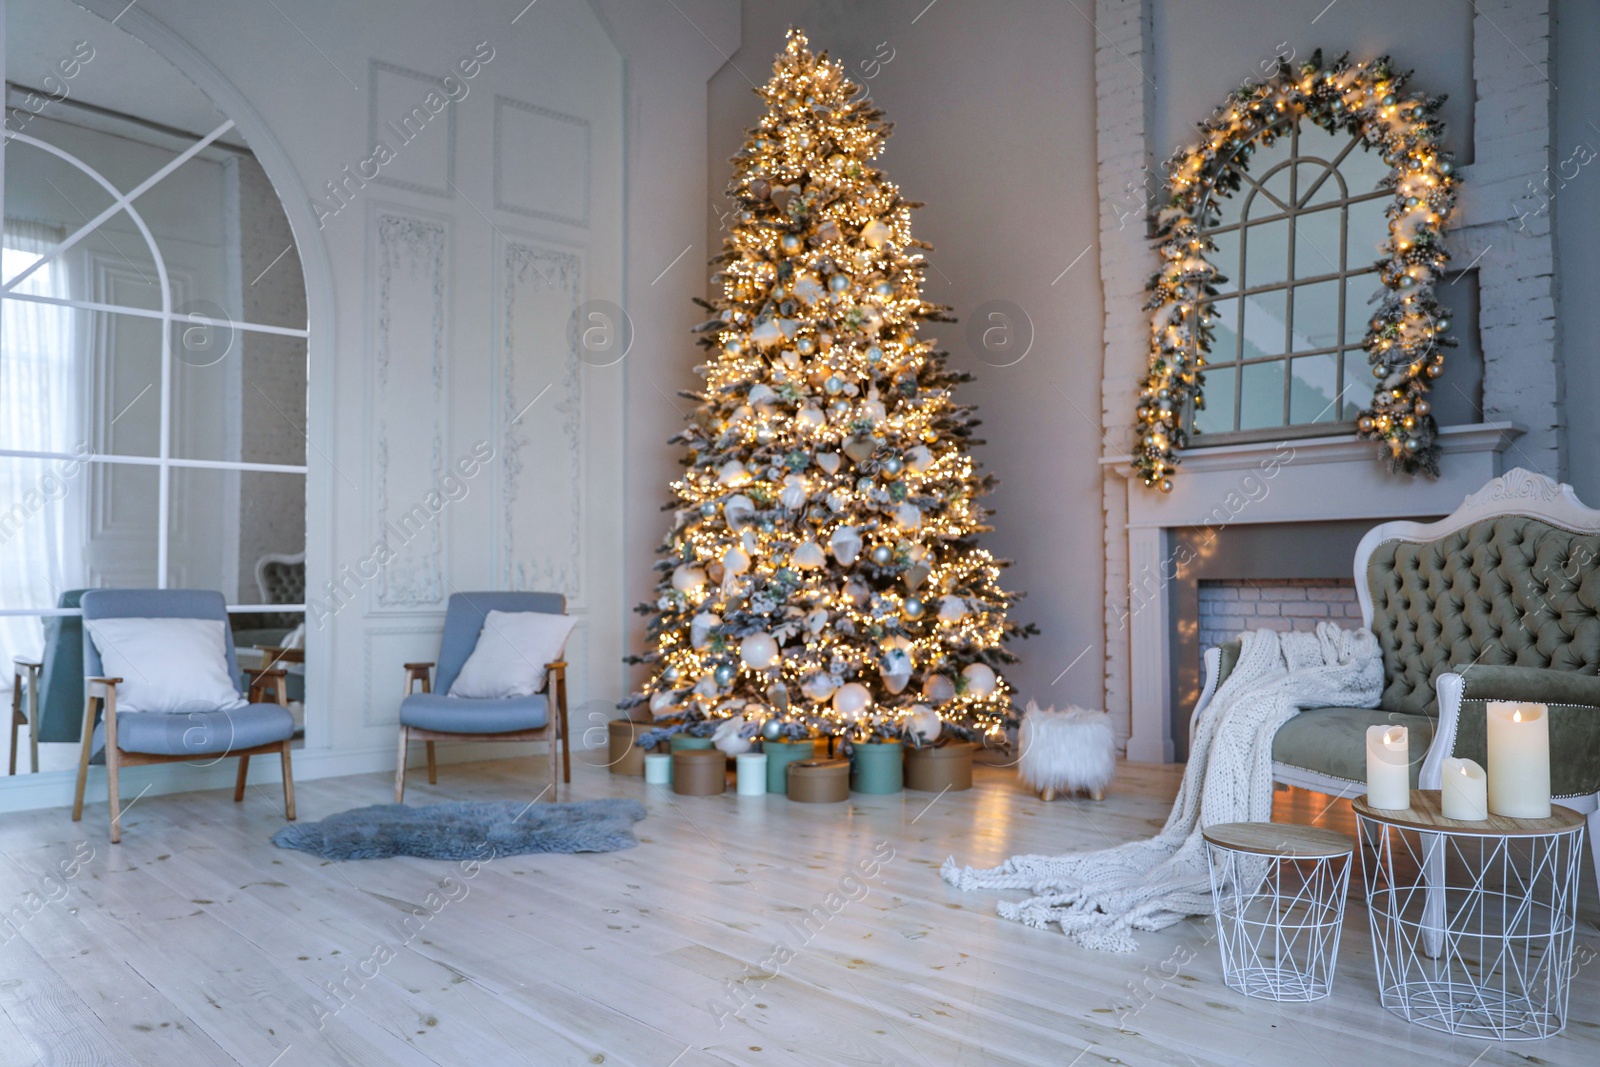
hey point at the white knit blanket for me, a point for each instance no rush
(1099, 898)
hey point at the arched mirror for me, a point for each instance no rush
(153, 365)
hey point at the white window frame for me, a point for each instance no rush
(164, 461)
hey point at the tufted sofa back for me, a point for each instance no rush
(1505, 591)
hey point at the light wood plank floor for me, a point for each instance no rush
(197, 942)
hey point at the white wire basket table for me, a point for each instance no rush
(1279, 893)
(1473, 923)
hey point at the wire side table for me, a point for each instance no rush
(1279, 891)
(1473, 923)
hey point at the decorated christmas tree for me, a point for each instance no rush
(822, 573)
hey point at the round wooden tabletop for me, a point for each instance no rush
(1425, 814)
(1286, 840)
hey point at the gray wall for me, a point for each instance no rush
(1576, 209)
(993, 107)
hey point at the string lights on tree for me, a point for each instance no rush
(1409, 330)
(822, 574)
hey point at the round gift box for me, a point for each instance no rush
(934, 769)
(752, 776)
(622, 755)
(779, 755)
(819, 781)
(699, 772)
(877, 767)
(657, 768)
(680, 742)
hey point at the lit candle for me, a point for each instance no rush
(1388, 767)
(1519, 760)
(1464, 793)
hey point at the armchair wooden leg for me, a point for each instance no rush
(400, 771)
(238, 783)
(555, 759)
(33, 723)
(113, 795)
(84, 745)
(433, 769)
(288, 785)
(566, 741)
(16, 717)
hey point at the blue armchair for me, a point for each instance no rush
(47, 693)
(431, 714)
(133, 738)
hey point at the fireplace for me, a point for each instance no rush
(1285, 515)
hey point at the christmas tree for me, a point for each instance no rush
(822, 573)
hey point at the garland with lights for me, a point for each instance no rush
(1408, 333)
(822, 574)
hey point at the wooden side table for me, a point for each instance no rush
(1278, 890)
(1473, 923)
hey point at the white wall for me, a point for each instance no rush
(1576, 209)
(994, 131)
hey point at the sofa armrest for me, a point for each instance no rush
(1574, 702)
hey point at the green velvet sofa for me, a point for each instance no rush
(1498, 601)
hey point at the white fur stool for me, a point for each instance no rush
(1065, 752)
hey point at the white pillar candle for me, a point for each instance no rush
(1388, 767)
(752, 773)
(1464, 793)
(1519, 760)
(658, 768)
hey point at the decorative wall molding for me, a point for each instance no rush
(382, 704)
(397, 120)
(542, 413)
(549, 149)
(410, 311)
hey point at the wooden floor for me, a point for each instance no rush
(196, 941)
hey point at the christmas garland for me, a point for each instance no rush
(1408, 333)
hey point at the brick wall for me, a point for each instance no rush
(1229, 607)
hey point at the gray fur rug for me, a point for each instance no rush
(461, 830)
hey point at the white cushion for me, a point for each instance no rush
(166, 665)
(509, 658)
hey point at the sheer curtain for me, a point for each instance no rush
(40, 500)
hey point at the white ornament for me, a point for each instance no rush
(952, 609)
(908, 516)
(761, 394)
(857, 592)
(766, 333)
(807, 556)
(817, 619)
(819, 687)
(700, 628)
(793, 494)
(733, 473)
(919, 459)
(924, 723)
(662, 704)
(808, 290)
(739, 511)
(845, 545)
(851, 700)
(812, 418)
(873, 410)
(875, 233)
(895, 668)
(735, 561)
(727, 736)
(759, 650)
(828, 461)
(980, 680)
(938, 689)
(689, 580)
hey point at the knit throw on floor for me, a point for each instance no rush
(1099, 898)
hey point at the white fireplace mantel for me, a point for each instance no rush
(1313, 479)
